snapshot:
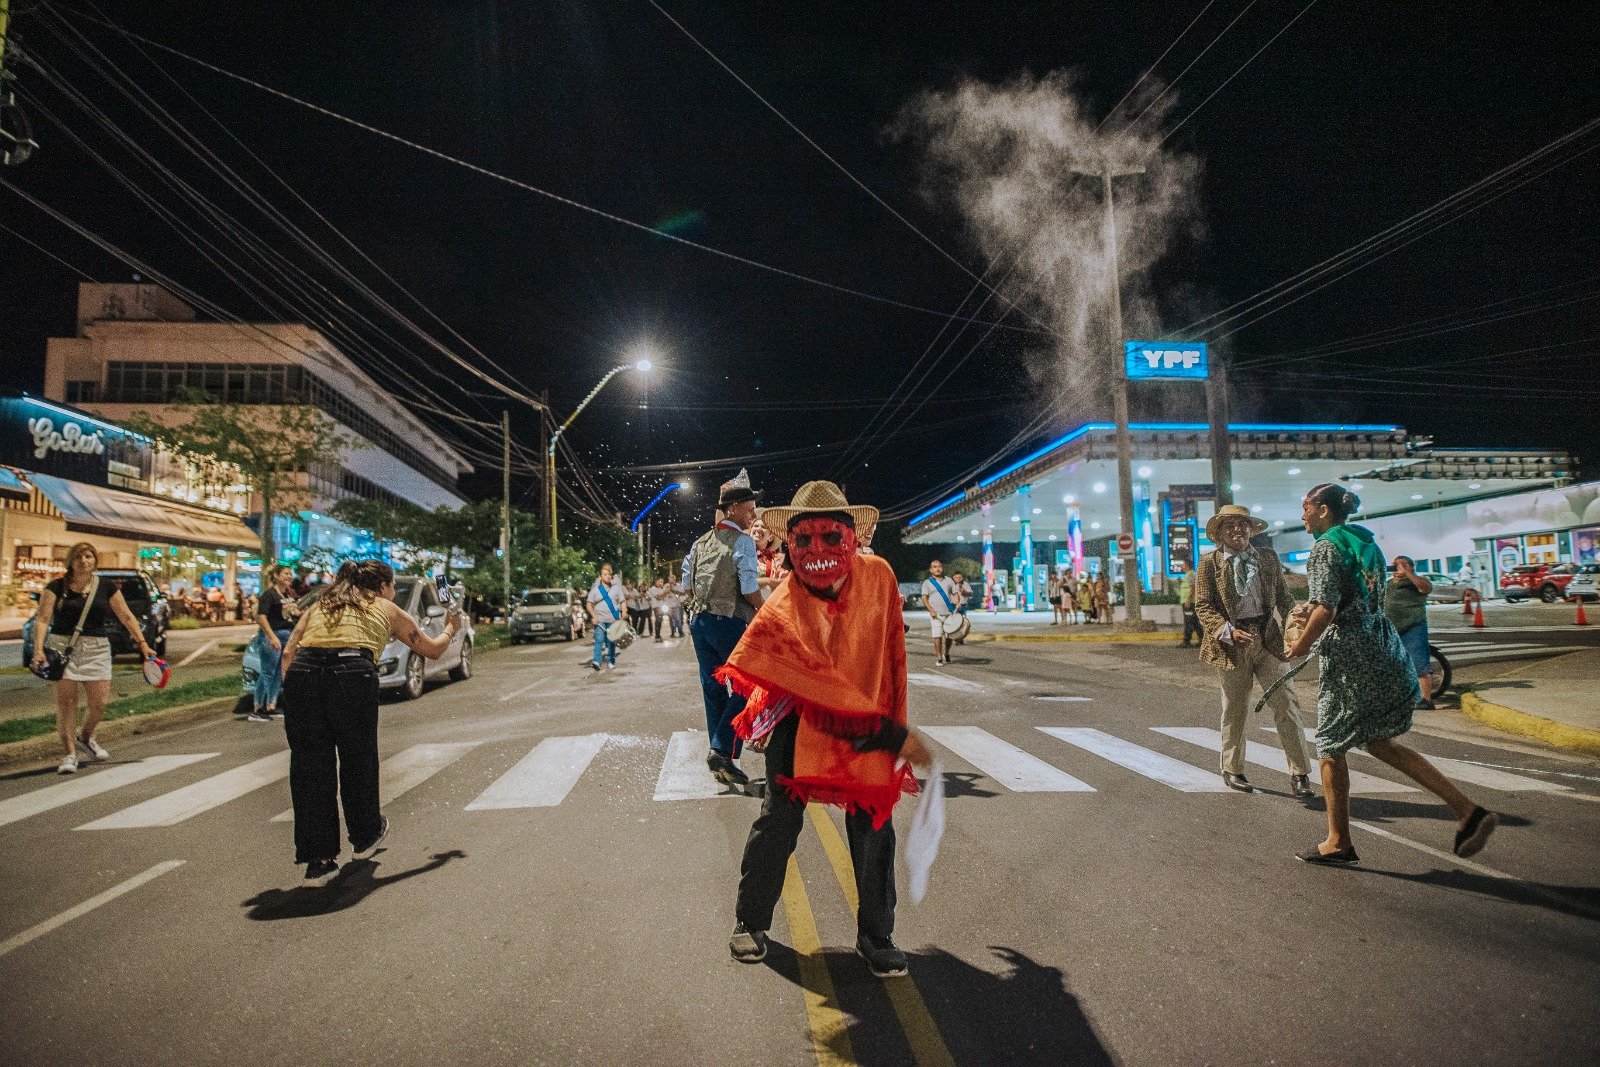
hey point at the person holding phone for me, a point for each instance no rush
(330, 696)
(275, 615)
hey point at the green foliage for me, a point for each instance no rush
(970, 569)
(155, 700)
(269, 443)
(184, 622)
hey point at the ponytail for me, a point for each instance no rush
(1341, 502)
(356, 584)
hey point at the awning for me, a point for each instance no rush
(114, 513)
(11, 485)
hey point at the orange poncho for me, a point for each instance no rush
(843, 663)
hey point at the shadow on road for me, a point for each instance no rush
(354, 883)
(1582, 902)
(964, 784)
(1022, 1014)
(1388, 810)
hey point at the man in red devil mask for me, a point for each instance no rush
(823, 668)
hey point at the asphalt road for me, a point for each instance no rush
(1080, 910)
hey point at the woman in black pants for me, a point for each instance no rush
(330, 697)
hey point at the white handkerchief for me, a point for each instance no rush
(927, 828)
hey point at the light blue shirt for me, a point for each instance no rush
(744, 562)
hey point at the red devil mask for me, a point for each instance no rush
(822, 550)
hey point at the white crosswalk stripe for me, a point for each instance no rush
(1004, 762)
(180, 804)
(684, 774)
(407, 769)
(1148, 762)
(1474, 774)
(1274, 759)
(91, 784)
(544, 777)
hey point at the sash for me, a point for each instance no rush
(948, 605)
(615, 614)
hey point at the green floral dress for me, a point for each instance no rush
(1369, 689)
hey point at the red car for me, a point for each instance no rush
(1547, 581)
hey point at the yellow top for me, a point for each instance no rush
(364, 626)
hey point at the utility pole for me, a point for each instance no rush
(1132, 584)
(1221, 442)
(16, 135)
(505, 509)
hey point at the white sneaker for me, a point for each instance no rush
(69, 765)
(92, 750)
(611, 666)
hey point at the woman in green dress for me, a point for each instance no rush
(1368, 687)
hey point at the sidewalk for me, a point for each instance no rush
(1033, 626)
(1556, 701)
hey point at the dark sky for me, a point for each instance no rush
(1358, 116)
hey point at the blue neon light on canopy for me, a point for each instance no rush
(637, 519)
(1168, 427)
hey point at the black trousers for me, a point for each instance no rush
(1191, 625)
(777, 829)
(330, 714)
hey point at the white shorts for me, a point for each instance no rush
(938, 626)
(90, 660)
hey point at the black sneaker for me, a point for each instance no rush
(366, 851)
(748, 946)
(320, 871)
(726, 771)
(884, 960)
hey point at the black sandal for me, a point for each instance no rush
(1314, 854)
(1475, 832)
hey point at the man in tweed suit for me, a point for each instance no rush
(1241, 599)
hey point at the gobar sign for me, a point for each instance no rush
(1164, 359)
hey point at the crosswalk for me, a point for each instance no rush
(1463, 653)
(547, 774)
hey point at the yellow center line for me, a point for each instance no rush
(830, 1035)
(922, 1033)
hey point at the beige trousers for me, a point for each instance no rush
(1251, 665)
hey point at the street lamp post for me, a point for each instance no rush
(1132, 589)
(555, 438)
(638, 520)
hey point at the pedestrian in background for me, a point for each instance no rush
(938, 599)
(657, 596)
(1243, 601)
(1052, 593)
(674, 602)
(963, 594)
(1191, 621)
(1086, 598)
(1405, 602)
(274, 621)
(770, 569)
(1102, 599)
(330, 688)
(77, 615)
(1368, 684)
(722, 574)
(607, 601)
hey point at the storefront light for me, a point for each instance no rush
(1038, 511)
(1099, 487)
(1094, 526)
(1416, 496)
(1474, 485)
(1255, 509)
(1293, 471)
(1016, 518)
(1069, 498)
(1236, 487)
(1144, 472)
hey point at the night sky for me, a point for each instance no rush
(1358, 116)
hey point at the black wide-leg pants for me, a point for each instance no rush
(330, 706)
(777, 829)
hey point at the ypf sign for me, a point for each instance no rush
(1164, 359)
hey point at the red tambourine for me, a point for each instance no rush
(156, 672)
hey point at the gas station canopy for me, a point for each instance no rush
(1075, 478)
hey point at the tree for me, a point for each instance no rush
(271, 444)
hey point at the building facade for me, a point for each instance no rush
(138, 348)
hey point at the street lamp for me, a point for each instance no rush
(641, 364)
(637, 526)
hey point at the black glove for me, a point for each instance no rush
(889, 737)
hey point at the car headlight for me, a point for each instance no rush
(388, 666)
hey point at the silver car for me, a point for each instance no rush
(400, 668)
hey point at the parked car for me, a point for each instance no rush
(545, 613)
(1585, 585)
(400, 668)
(146, 602)
(911, 597)
(1547, 581)
(1447, 590)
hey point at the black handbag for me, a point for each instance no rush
(54, 667)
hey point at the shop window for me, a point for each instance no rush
(84, 392)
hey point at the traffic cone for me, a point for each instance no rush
(1583, 620)
(1477, 612)
(1466, 603)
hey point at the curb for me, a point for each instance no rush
(1136, 637)
(1512, 721)
(47, 746)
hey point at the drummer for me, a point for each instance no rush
(939, 597)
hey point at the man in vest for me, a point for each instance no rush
(721, 576)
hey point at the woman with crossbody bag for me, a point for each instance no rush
(79, 611)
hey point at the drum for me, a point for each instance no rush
(955, 626)
(621, 633)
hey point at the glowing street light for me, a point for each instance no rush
(641, 364)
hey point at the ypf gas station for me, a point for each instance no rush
(1056, 506)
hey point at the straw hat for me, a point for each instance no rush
(1233, 511)
(814, 498)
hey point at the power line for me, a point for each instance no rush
(518, 183)
(1236, 73)
(1151, 68)
(1169, 87)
